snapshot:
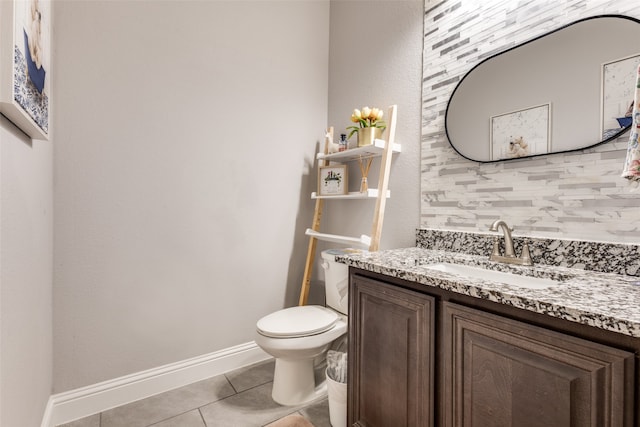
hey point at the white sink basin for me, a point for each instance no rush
(494, 276)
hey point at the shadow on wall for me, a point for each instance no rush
(298, 255)
(14, 131)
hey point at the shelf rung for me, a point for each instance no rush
(363, 240)
(351, 154)
(371, 193)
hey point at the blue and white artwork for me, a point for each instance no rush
(521, 133)
(26, 92)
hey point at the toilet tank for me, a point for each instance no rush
(336, 280)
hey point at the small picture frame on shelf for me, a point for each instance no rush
(332, 180)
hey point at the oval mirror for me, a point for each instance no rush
(566, 90)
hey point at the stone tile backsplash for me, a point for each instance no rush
(578, 195)
(594, 256)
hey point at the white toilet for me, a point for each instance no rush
(297, 336)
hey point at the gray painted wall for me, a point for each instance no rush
(578, 195)
(185, 162)
(26, 263)
(375, 60)
(186, 133)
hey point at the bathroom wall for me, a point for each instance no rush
(375, 59)
(185, 158)
(26, 264)
(186, 135)
(576, 195)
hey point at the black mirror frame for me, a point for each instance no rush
(611, 138)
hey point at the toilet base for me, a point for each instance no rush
(294, 382)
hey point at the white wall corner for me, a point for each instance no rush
(92, 399)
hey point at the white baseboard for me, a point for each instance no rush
(72, 405)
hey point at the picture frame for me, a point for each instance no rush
(521, 133)
(25, 65)
(332, 180)
(617, 91)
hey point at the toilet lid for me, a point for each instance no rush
(297, 321)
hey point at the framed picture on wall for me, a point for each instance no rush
(25, 65)
(521, 133)
(332, 180)
(618, 80)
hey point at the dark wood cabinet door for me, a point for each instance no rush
(391, 356)
(499, 372)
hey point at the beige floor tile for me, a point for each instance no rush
(166, 405)
(317, 413)
(289, 420)
(252, 408)
(189, 419)
(90, 421)
(251, 376)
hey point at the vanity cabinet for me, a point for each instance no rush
(422, 356)
(391, 335)
(502, 372)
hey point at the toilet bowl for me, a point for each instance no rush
(293, 378)
(298, 337)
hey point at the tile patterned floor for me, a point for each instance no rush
(240, 398)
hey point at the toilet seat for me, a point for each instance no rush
(297, 322)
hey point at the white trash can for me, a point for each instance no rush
(337, 395)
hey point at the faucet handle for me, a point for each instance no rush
(496, 247)
(525, 255)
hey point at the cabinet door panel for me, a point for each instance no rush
(390, 356)
(501, 372)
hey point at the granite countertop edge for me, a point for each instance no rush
(606, 301)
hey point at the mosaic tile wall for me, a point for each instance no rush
(576, 195)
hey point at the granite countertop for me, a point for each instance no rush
(604, 300)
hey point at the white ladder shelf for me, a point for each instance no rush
(383, 148)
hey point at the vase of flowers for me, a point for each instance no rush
(369, 125)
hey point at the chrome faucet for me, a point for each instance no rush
(509, 256)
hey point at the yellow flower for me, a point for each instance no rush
(367, 117)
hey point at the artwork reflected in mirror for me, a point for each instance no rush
(520, 133)
(566, 90)
(618, 81)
